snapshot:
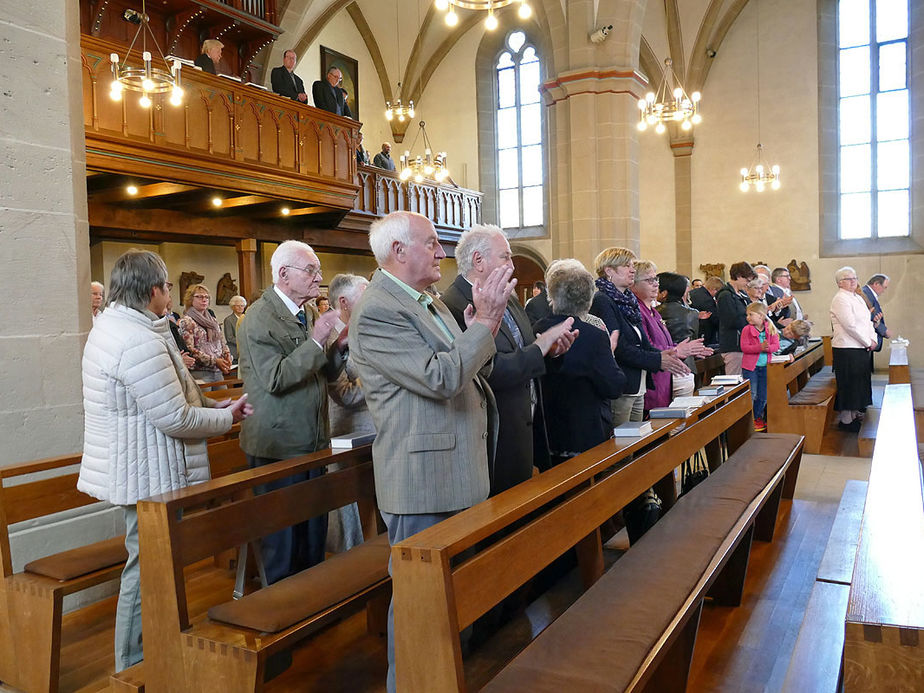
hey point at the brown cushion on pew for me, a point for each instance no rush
(816, 391)
(600, 641)
(300, 596)
(83, 560)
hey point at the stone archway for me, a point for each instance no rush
(526, 270)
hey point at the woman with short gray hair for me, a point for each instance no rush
(853, 340)
(576, 395)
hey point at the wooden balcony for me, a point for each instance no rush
(450, 208)
(226, 135)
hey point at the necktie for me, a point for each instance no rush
(518, 338)
(302, 318)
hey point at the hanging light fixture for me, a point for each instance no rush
(398, 110)
(758, 175)
(149, 79)
(489, 6)
(423, 166)
(669, 103)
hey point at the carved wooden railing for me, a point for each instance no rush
(225, 135)
(451, 209)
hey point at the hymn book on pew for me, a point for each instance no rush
(711, 390)
(691, 402)
(351, 440)
(727, 380)
(671, 412)
(632, 429)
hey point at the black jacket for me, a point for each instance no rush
(701, 299)
(282, 83)
(538, 307)
(634, 353)
(330, 99)
(521, 436)
(205, 62)
(733, 316)
(577, 394)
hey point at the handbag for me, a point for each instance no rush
(694, 473)
(641, 515)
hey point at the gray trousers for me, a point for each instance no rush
(628, 408)
(128, 609)
(400, 527)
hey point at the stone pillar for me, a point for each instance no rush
(247, 268)
(593, 161)
(44, 232)
(683, 205)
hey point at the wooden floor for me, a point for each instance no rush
(737, 649)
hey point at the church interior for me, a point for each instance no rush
(532, 119)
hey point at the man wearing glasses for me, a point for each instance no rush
(285, 370)
(328, 95)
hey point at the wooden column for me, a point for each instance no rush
(247, 268)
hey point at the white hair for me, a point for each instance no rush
(757, 283)
(843, 272)
(570, 287)
(286, 254)
(476, 240)
(98, 284)
(385, 231)
(346, 285)
(763, 269)
(234, 300)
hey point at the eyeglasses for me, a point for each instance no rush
(205, 296)
(654, 281)
(168, 286)
(310, 271)
(848, 279)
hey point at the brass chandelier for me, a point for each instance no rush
(423, 166)
(669, 103)
(490, 22)
(149, 79)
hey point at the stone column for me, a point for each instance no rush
(593, 161)
(683, 204)
(247, 268)
(44, 232)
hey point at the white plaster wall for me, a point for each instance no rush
(656, 200)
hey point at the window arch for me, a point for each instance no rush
(519, 135)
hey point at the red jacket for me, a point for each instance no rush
(750, 345)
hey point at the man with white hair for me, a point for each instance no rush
(237, 304)
(97, 296)
(424, 382)
(519, 361)
(285, 365)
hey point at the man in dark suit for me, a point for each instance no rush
(874, 288)
(538, 306)
(519, 361)
(328, 95)
(285, 82)
(703, 299)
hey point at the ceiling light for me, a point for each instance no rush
(216, 202)
(132, 189)
(285, 211)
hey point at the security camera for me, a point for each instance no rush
(599, 36)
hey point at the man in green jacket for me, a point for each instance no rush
(285, 371)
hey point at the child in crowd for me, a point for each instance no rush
(759, 339)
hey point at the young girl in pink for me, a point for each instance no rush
(759, 339)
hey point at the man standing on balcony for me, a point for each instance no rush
(328, 95)
(383, 158)
(285, 82)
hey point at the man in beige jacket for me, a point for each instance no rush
(424, 382)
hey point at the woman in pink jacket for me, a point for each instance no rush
(759, 339)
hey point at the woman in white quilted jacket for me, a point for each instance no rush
(145, 421)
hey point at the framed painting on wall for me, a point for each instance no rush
(349, 68)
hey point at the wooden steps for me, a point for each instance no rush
(867, 438)
(841, 550)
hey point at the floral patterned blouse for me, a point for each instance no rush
(199, 346)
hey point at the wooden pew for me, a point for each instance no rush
(707, 368)
(885, 614)
(449, 575)
(229, 649)
(899, 372)
(31, 602)
(800, 396)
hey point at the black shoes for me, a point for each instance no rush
(852, 427)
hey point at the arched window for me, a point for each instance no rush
(873, 105)
(518, 111)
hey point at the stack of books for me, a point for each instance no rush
(691, 402)
(711, 390)
(671, 412)
(351, 440)
(780, 358)
(632, 429)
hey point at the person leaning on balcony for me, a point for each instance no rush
(328, 95)
(211, 54)
(285, 82)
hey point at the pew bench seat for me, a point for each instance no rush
(313, 591)
(83, 560)
(800, 397)
(635, 628)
